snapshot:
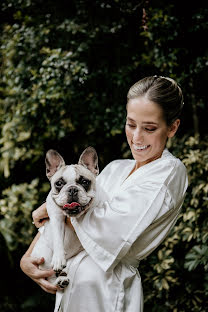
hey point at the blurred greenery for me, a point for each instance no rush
(177, 273)
(66, 67)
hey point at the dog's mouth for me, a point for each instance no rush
(73, 208)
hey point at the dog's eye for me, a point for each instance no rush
(59, 184)
(84, 182)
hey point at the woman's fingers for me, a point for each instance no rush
(36, 272)
(53, 292)
(42, 274)
(30, 265)
(37, 261)
(40, 215)
(46, 286)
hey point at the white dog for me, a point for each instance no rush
(73, 192)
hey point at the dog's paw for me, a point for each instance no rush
(61, 273)
(58, 263)
(62, 282)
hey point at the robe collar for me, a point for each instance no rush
(127, 179)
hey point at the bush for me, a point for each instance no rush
(66, 68)
(178, 269)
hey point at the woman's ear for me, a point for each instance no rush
(173, 128)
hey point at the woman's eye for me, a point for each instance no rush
(130, 125)
(150, 129)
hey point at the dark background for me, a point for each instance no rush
(66, 67)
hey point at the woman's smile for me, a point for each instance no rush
(140, 148)
(146, 130)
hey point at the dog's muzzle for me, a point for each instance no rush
(73, 208)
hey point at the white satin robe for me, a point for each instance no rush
(140, 212)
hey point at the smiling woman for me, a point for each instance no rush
(146, 130)
(145, 196)
(153, 110)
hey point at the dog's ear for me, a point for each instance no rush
(89, 159)
(54, 162)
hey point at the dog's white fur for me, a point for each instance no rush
(59, 242)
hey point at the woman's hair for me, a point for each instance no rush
(161, 90)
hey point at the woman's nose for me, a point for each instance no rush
(138, 136)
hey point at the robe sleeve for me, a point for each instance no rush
(108, 232)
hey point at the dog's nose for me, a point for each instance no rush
(73, 191)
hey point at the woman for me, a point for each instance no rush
(146, 195)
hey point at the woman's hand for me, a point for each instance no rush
(40, 215)
(30, 265)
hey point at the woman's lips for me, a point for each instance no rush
(140, 147)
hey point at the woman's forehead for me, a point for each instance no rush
(144, 110)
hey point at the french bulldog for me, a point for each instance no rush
(73, 192)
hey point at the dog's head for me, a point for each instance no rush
(73, 186)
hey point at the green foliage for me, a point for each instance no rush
(37, 86)
(15, 214)
(183, 257)
(198, 255)
(66, 68)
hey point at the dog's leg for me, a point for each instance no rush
(57, 220)
(58, 260)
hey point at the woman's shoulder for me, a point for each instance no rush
(177, 178)
(171, 160)
(120, 162)
(115, 166)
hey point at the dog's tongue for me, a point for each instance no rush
(72, 205)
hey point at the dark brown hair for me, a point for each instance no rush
(161, 90)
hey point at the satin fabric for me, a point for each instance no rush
(141, 210)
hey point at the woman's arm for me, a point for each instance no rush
(108, 232)
(40, 216)
(30, 265)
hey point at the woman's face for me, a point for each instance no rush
(146, 130)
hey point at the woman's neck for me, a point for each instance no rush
(140, 164)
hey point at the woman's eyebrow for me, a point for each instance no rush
(150, 123)
(130, 119)
(144, 122)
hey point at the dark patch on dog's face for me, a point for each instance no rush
(84, 182)
(59, 184)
